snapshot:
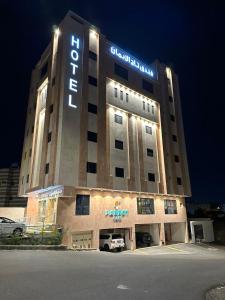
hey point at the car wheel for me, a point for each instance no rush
(119, 249)
(106, 247)
(17, 232)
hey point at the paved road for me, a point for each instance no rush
(174, 272)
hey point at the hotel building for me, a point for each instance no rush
(104, 147)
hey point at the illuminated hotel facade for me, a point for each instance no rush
(104, 147)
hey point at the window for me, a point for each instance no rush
(121, 95)
(118, 119)
(115, 92)
(51, 108)
(148, 86)
(120, 71)
(92, 55)
(127, 97)
(44, 70)
(118, 144)
(22, 179)
(143, 105)
(172, 118)
(170, 207)
(151, 177)
(179, 181)
(25, 154)
(145, 206)
(92, 108)
(27, 178)
(148, 129)
(92, 136)
(49, 137)
(149, 152)
(153, 109)
(30, 152)
(174, 137)
(32, 130)
(176, 158)
(148, 107)
(91, 167)
(46, 168)
(170, 98)
(92, 80)
(82, 205)
(119, 172)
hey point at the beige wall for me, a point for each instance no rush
(14, 213)
(101, 201)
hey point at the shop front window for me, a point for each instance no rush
(145, 206)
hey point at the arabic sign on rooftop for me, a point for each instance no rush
(148, 71)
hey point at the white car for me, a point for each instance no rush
(10, 227)
(111, 241)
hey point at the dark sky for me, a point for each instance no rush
(190, 35)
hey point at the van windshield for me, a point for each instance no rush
(116, 236)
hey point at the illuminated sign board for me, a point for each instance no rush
(116, 213)
(132, 61)
(75, 59)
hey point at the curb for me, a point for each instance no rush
(33, 247)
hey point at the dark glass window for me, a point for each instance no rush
(92, 55)
(44, 70)
(153, 109)
(143, 105)
(121, 95)
(92, 108)
(92, 136)
(172, 118)
(150, 152)
(127, 97)
(118, 119)
(145, 206)
(120, 71)
(30, 152)
(82, 205)
(49, 137)
(115, 92)
(91, 167)
(170, 207)
(176, 158)
(46, 168)
(174, 137)
(170, 98)
(151, 177)
(25, 154)
(32, 130)
(27, 178)
(119, 172)
(148, 129)
(51, 108)
(148, 107)
(179, 181)
(148, 86)
(118, 144)
(92, 80)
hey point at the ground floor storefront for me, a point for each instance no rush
(86, 215)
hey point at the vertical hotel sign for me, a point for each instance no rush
(75, 63)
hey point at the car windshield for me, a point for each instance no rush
(6, 220)
(116, 236)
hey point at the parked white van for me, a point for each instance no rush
(111, 241)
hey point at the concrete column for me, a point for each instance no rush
(133, 239)
(95, 239)
(186, 233)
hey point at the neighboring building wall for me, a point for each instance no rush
(9, 181)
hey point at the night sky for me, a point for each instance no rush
(189, 35)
